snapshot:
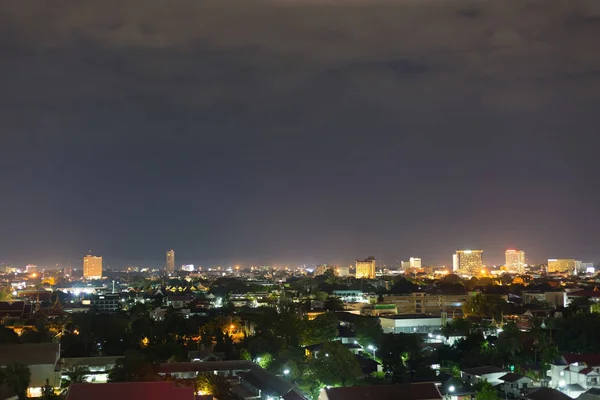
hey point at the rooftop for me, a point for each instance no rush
(30, 353)
(483, 370)
(129, 390)
(410, 391)
(546, 394)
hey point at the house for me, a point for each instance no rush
(409, 391)
(515, 385)
(346, 335)
(40, 358)
(478, 374)
(249, 380)
(575, 369)
(130, 390)
(97, 368)
(545, 394)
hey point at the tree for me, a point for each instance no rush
(368, 331)
(334, 303)
(8, 335)
(17, 377)
(322, 329)
(402, 286)
(397, 352)
(76, 375)
(485, 306)
(485, 391)
(336, 365)
(134, 367)
(5, 293)
(509, 342)
(216, 385)
(457, 327)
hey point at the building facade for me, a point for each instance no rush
(365, 269)
(469, 262)
(92, 267)
(515, 261)
(415, 262)
(562, 265)
(170, 261)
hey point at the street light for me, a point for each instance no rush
(451, 389)
(372, 348)
(286, 371)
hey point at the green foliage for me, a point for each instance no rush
(509, 343)
(245, 355)
(485, 306)
(264, 360)
(5, 293)
(397, 352)
(402, 286)
(336, 365)
(457, 327)
(8, 336)
(216, 385)
(334, 303)
(17, 377)
(485, 391)
(322, 329)
(368, 330)
(134, 367)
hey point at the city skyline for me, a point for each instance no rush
(397, 262)
(285, 139)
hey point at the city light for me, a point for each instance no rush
(451, 389)
(286, 371)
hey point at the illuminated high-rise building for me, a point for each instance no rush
(365, 268)
(415, 262)
(469, 262)
(170, 261)
(455, 263)
(92, 267)
(562, 265)
(515, 261)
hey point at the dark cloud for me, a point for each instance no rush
(238, 129)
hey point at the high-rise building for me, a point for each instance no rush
(92, 267)
(170, 261)
(342, 271)
(562, 265)
(515, 260)
(455, 263)
(415, 262)
(404, 265)
(365, 268)
(469, 262)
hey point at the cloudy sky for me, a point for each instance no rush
(298, 131)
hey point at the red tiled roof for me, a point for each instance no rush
(410, 391)
(585, 293)
(129, 390)
(591, 360)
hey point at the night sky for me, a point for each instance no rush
(298, 131)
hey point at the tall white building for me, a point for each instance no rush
(515, 260)
(415, 262)
(455, 263)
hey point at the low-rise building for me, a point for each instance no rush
(515, 385)
(408, 391)
(576, 369)
(130, 390)
(415, 323)
(478, 374)
(40, 358)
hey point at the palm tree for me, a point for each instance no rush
(17, 377)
